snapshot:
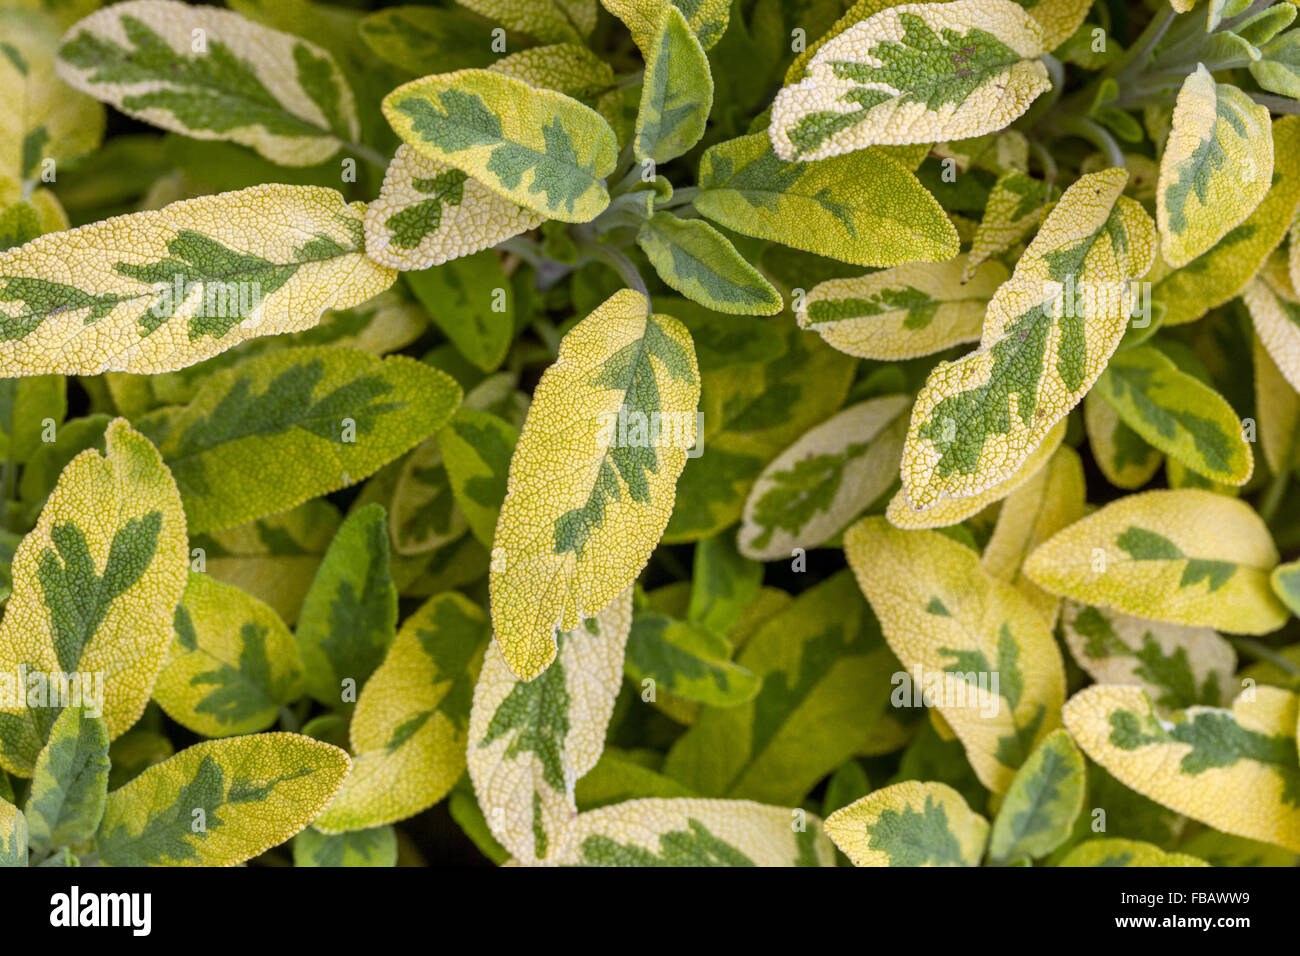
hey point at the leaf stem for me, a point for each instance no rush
(371, 156)
(1273, 496)
(1262, 652)
(1093, 132)
(1046, 160)
(1278, 104)
(621, 264)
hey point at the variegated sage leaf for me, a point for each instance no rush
(686, 661)
(159, 290)
(42, 121)
(13, 835)
(1217, 166)
(1275, 311)
(1218, 275)
(1178, 414)
(374, 847)
(349, 616)
(951, 511)
(538, 148)
(1124, 458)
(429, 212)
(910, 824)
(530, 742)
(1038, 812)
(95, 585)
(552, 21)
(677, 89)
(593, 477)
(235, 80)
(1016, 206)
(904, 312)
(69, 781)
(1235, 770)
(914, 73)
(1184, 557)
(700, 263)
(476, 450)
(690, 832)
(284, 427)
(220, 802)
(1112, 851)
(862, 208)
(814, 488)
(1177, 666)
(409, 729)
(232, 663)
(1047, 336)
(972, 642)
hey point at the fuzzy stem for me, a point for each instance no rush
(1262, 652)
(1273, 497)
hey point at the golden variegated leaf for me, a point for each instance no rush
(823, 481)
(1214, 277)
(1217, 166)
(692, 832)
(95, 585)
(593, 478)
(232, 663)
(529, 742)
(914, 73)
(410, 726)
(428, 212)
(247, 794)
(1185, 557)
(910, 824)
(1112, 851)
(1048, 334)
(43, 123)
(159, 290)
(1275, 311)
(973, 642)
(1177, 666)
(1016, 206)
(903, 312)
(950, 511)
(232, 79)
(1236, 769)
(1124, 458)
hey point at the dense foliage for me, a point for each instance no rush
(649, 432)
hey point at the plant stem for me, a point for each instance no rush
(1046, 160)
(1278, 104)
(621, 264)
(1092, 131)
(681, 197)
(1273, 496)
(1140, 49)
(372, 156)
(1262, 652)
